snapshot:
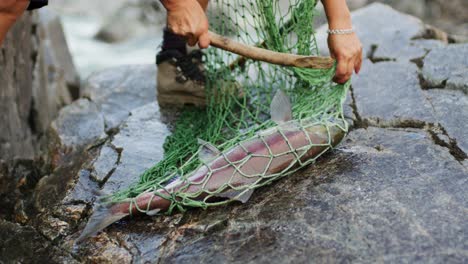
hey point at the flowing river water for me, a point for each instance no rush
(91, 55)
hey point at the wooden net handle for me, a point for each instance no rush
(279, 58)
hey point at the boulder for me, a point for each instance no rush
(449, 16)
(133, 19)
(16, 139)
(58, 58)
(451, 75)
(140, 143)
(388, 94)
(78, 124)
(24, 244)
(393, 191)
(451, 109)
(117, 91)
(383, 194)
(100, 9)
(37, 79)
(105, 163)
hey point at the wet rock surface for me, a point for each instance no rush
(373, 199)
(79, 124)
(23, 244)
(119, 90)
(140, 141)
(393, 191)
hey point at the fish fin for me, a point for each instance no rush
(100, 219)
(280, 108)
(153, 212)
(207, 151)
(236, 195)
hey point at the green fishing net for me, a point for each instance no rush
(239, 92)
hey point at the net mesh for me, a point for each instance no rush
(239, 92)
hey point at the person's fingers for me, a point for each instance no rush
(358, 62)
(349, 70)
(191, 40)
(341, 71)
(357, 65)
(204, 41)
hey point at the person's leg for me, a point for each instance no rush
(173, 41)
(180, 77)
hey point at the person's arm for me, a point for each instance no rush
(187, 18)
(10, 11)
(345, 48)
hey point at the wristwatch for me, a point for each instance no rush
(34, 4)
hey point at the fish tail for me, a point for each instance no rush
(104, 215)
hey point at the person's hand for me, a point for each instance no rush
(187, 18)
(13, 8)
(347, 50)
(10, 10)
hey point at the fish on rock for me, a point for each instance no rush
(234, 173)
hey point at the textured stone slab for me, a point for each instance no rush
(105, 163)
(23, 244)
(383, 195)
(388, 93)
(451, 109)
(16, 91)
(79, 124)
(140, 139)
(117, 91)
(390, 196)
(59, 58)
(83, 190)
(447, 66)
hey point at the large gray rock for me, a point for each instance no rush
(36, 76)
(388, 94)
(449, 16)
(116, 165)
(100, 9)
(133, 19)
(15, 92)
(388, 195)
(23, 244)
(451, 110)
(140, 142)
(385, 195)
(117, 91)
(447, 67)
(105, 163)
(58, 58)
(78, 124)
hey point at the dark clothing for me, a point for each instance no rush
(37, 4)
